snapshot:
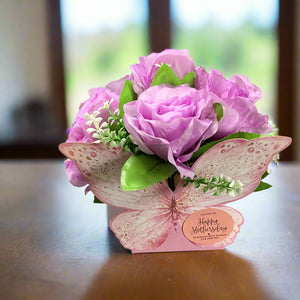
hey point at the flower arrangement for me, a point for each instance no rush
(171, 144)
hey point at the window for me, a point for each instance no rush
(100, 43)
(232, 36)
(102, 38)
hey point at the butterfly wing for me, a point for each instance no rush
(238, 159)
(238, 221)
(142, 230)
(101, 168)
(148, 223)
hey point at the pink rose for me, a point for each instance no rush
(171, 122)
(73, 173)
(144, 72)
(236, 87)
(237, 96)
(78, 132)
(117, 85)
(201, 78)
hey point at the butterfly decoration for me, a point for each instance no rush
(153, 217)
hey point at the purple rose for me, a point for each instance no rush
(201, 78)
(241, 115)
(236, 87)
(144, 72)
(237, 96)
(117, 85)
(171, 122)
(78, 132)
(73, 173)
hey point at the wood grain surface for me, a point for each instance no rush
(54, 244)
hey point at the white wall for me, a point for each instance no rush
(24, 56)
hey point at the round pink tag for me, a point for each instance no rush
(208, 226)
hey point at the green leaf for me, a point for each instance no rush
(218, 110)
(96, 200)
(165, 75)
(189, 79)
(142, 170)
(127, 95)
(241, 135)
(263, 186)
(265, 175)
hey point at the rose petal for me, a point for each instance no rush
(117, 85)
(74, 174)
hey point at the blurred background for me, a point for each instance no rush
(53, 52)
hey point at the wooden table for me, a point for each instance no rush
(54, 244)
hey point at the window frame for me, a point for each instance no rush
(160, 32)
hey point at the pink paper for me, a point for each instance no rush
(154, 216)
